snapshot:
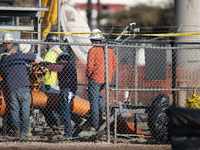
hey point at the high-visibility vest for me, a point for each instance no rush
(51, 57)
(12, 51)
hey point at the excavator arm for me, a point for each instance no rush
(49, 18)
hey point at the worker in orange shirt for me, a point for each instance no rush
(9, 46)
(95, 71)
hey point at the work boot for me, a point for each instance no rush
(27, 136)
(52, 129)
(16, 131)
(86, 125)
(55, 129)
(49, 130)
(78, 124)
(102, 114)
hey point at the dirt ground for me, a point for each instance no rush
(120, 143)
(78, 146)
(82, 143)
(41, 141)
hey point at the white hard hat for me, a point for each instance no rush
(8, 37)
(2, 56)
(96, 35)
(24, 48)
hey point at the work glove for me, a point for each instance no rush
(38, 59)
(70, 96)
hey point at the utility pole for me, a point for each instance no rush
(89, 13)
(99, 12)
(58, 11)
(186, 19)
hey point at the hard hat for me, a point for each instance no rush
(24, 48)
(2, 56)
(51, 38)
(63, 56)
(8, 37)
(96, 35)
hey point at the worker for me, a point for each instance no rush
(9, 46)
(15, 86)
(67, 77)
(51, 85)
(95, 72)
(25, 48)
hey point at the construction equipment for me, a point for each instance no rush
(50, 17)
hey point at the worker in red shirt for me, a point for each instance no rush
(95, 71)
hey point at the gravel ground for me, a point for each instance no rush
(79, 146)
(82, 143)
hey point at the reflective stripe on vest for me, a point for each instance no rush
(12, 51)
(53, 78)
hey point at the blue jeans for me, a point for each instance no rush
(63, 109)
(51, 117)
(20, 108)
(96, 100)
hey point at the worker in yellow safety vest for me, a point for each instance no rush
(51, 86)
(9, 46)
(51, 83)
(51, 55)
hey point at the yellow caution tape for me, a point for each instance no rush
(194, 101)
(164, 35)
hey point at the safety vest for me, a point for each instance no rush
(12, 51)
(51, 57)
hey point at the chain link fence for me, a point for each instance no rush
(151, 74)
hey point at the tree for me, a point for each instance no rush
(144, 16)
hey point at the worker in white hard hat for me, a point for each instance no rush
(95, 71)
(9, 49)
(9, 46)
(16, 89)
(25, 48)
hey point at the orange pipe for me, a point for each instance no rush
(78, 105)
(39, 99)
(2, 104)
